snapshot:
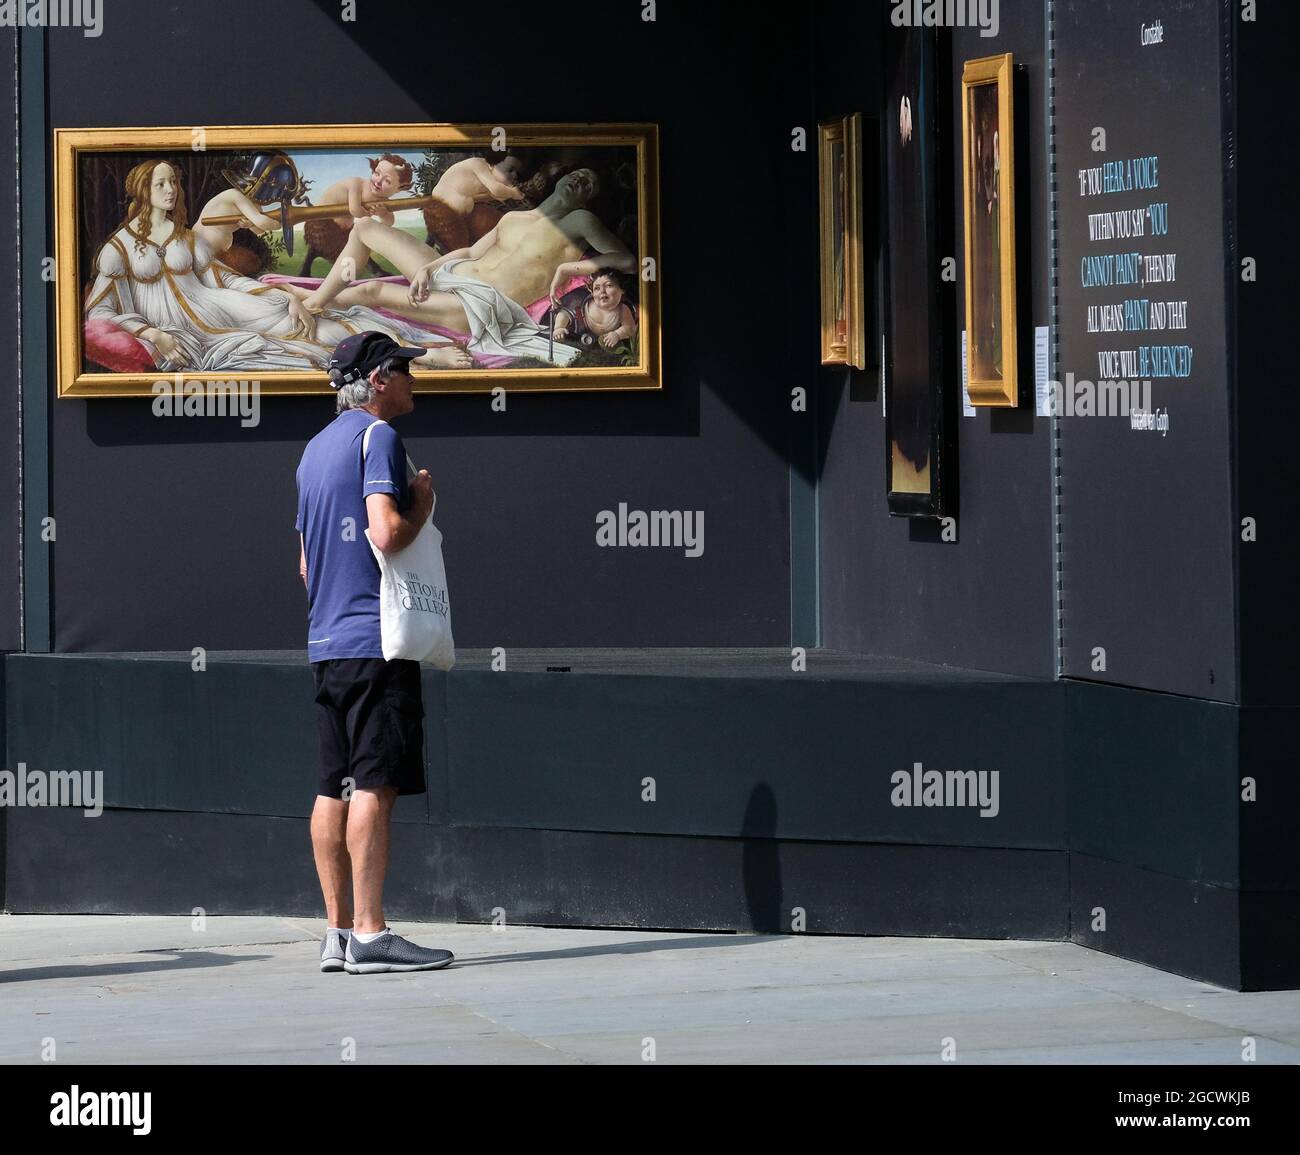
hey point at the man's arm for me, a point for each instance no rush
(392, 530)
(589, 229)
(586, 229)
(302, 559)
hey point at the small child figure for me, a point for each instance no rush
(601, 314)
(389, 175)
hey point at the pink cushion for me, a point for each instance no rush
(113, 347)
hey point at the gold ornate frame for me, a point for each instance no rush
(999, 70)
(853, 350)
(68, 143)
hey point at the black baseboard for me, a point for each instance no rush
(1172, 923)
(1270, 941)
(4, 810)
(761, 885)
(1246, 940)
(63, 863)
(170, 862)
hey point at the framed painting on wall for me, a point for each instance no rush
(843, 296)
(988, 183)
(524, 257)
(916, 395)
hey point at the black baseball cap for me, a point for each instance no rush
(354, 357)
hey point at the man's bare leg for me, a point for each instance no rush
(342, 272)
(437, 308)
(406, 254)
(329, 822)
(369, 815)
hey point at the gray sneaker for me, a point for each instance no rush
(332, 951)
(391, 952)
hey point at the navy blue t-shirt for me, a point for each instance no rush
(342, 574)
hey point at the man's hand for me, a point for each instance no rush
(562, 273)
(421, 497)
(419, 289)
(391, 530)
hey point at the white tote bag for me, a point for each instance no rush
(414, 609)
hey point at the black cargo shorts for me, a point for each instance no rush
(371, 722)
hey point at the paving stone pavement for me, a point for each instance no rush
(120, 989)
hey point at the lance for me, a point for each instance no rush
(291, 215)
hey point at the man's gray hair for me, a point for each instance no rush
(361, 393)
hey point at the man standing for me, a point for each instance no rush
(369, 711)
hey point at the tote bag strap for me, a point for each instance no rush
(412, 472)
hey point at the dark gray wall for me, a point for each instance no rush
(174, 534)
(10, 382)
(1266, 220)
(1147, 521)
(180, 533)
(890, 585)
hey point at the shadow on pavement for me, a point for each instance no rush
(618, 948)
(184, 960)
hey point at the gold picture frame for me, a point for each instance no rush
(843, 296)
(988, 182)
(633, 319)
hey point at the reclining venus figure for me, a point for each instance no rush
(160, 280)
(482, 290)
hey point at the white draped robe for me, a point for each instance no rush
(221, 320)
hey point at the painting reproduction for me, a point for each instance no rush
(990, 252)
(523, 257)
(842, 285)
(914, 364)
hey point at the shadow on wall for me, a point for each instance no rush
(762, 863)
